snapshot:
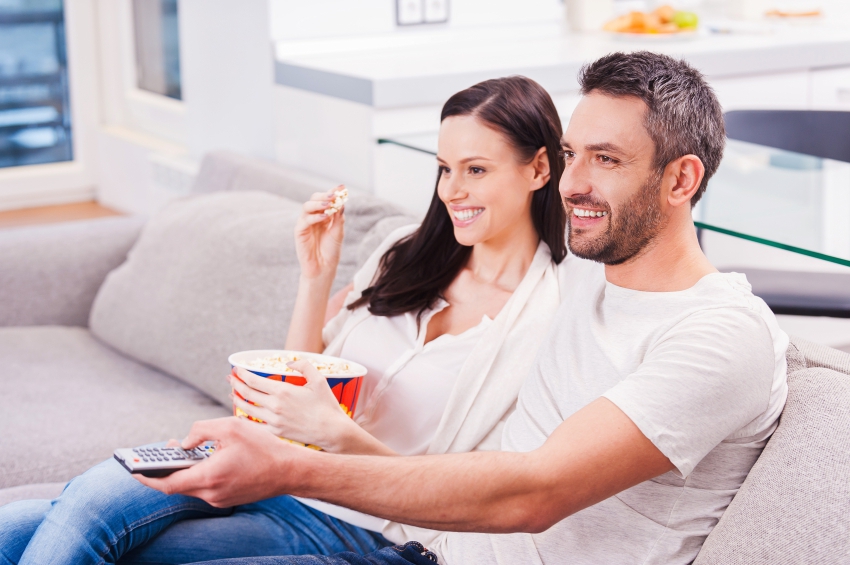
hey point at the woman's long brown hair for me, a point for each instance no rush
(416, 271)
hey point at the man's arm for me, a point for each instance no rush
(593, 455)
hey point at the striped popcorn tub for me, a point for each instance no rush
(344, 377)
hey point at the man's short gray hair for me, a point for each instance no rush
(683, 115)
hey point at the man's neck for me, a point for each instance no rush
(672, 261)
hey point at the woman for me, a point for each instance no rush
(445, 316)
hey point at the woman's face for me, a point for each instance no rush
(485, 187)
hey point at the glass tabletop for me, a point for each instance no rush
(773, 197)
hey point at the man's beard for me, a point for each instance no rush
(630, 228)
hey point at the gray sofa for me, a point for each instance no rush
(115, 332)
(102, 348)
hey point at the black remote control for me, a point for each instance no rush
(161, 461)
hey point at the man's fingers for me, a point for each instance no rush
(206, 430)
(186, 481)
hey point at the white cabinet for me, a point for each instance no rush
(830, 89)
(777, 91)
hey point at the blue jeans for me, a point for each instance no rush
(105, 515)
(411, 552)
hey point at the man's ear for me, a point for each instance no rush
(686, 174)
(541, 169)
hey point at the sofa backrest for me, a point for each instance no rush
(794, 505)
(369, 219)
(217, 272)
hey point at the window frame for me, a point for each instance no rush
(66, 181)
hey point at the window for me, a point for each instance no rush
(157, 46)
(35, 116)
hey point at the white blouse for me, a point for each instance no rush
(408, 383)
(406, 388)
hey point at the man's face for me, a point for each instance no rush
(610, 189)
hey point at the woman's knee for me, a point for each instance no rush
(18, 523)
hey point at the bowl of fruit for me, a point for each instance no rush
(664, 21)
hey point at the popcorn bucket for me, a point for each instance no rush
(344, 377)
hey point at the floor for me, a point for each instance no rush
(54, 214)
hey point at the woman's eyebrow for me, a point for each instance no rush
(466, 159)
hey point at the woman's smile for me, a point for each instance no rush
(463, 216)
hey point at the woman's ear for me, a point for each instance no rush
(540, 167)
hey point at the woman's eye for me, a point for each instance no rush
(476, 170)
(444, 170)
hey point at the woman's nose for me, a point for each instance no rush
(450, 188)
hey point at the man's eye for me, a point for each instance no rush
(567, 154)
(606, 159)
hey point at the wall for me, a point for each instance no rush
(314, 19)
(227, 67)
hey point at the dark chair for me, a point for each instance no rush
(820, 134)
(813, 132)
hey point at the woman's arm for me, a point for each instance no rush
(318, 240)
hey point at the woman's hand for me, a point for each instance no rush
(310, 413)
(318, 236)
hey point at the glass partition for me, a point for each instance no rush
(773, 197)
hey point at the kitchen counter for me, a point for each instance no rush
(424, 67)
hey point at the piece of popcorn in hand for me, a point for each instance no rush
(340, 198)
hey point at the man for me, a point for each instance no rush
(646, 407)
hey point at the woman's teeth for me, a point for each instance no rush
(582, 213)
(464, 215)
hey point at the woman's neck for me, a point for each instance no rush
(504, 259)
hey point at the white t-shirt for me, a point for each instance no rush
(701, 372)
(406, 388)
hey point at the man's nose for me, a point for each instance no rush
(575, 180)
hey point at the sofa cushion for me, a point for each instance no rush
(226, 171)
(75, 400)
(47, 491)
(54, 271)
(210, 275)
(792, 508)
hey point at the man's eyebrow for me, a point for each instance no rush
(604, 146)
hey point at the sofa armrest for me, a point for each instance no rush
(49, 275)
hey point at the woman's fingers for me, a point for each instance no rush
(258, 412)
(316, 206)
(250, 394)
(257, 382)
(313, 219)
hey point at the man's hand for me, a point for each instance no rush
(246, 466)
